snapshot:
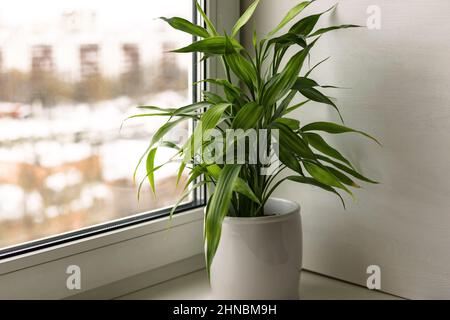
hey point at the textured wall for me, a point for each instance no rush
(400, 79)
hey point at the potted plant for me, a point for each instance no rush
(253, 242)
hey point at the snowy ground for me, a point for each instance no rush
(70, 134)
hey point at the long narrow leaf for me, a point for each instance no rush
(289, 159)
(325, 30)
(322, 175)
(342, 177)
(164, 129)
(180, 171)
(244, 18)
(217, 210)
(306, 25)
(186, 26)
(284, 104)
(240, 66)
(208, 121)
(248, 116)
(280, 85)
(239, 186)
(295, 107)
(311, 181)
(291, 141)
(317, 96)
(150, 166)
(346, 169)
(295, 11)
(212, 45)
(318, 143)
(315, 66)
(334, 128)
(211, 29)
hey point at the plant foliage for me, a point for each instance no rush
(257, 93)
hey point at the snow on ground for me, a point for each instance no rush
(50, 139)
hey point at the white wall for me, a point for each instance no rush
(400, 92)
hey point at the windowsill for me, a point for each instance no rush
(194, 286)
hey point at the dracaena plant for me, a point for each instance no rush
(257, 92)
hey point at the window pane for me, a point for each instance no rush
(70, 71)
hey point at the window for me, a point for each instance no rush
(70, 71)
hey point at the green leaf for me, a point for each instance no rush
(214, 170)
(150, 165)
(208, 121)
(288, 39)
(157, 108)
(244, 18)
(334, 128)
(169, 144)
(180, 171)
(289, 16)
(324, 176)
(239, 186)
(280, 84)
(163, 130)
(284, 104)
(306, 25)
(191, 108)
(240, 66)
(186, 26)
(315, 95)
(211, 29)
(146, 177)
(248, 116)
(325, 30)
(289, 159)
(160, 133)
(212, 97)
(194, 173)
(212, 45)
(342, 177)
(293, 124)
(186, 194)
(346, 169)
(318, 143)
(304, 82)
(212, 116)
(217, 210)
(162, 114)
(186, 111)
(295, 107)
(231, 91)
(315, 66)
(311, 181)
(291, 141)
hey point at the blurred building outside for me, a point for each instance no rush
(65, 89)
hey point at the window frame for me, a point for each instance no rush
(108, 253)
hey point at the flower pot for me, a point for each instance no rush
(260, 258)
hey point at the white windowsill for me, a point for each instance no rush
(194, 286)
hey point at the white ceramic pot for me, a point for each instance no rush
(260, 258)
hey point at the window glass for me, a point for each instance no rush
(70, 72)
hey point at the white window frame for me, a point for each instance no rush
(160, 248)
